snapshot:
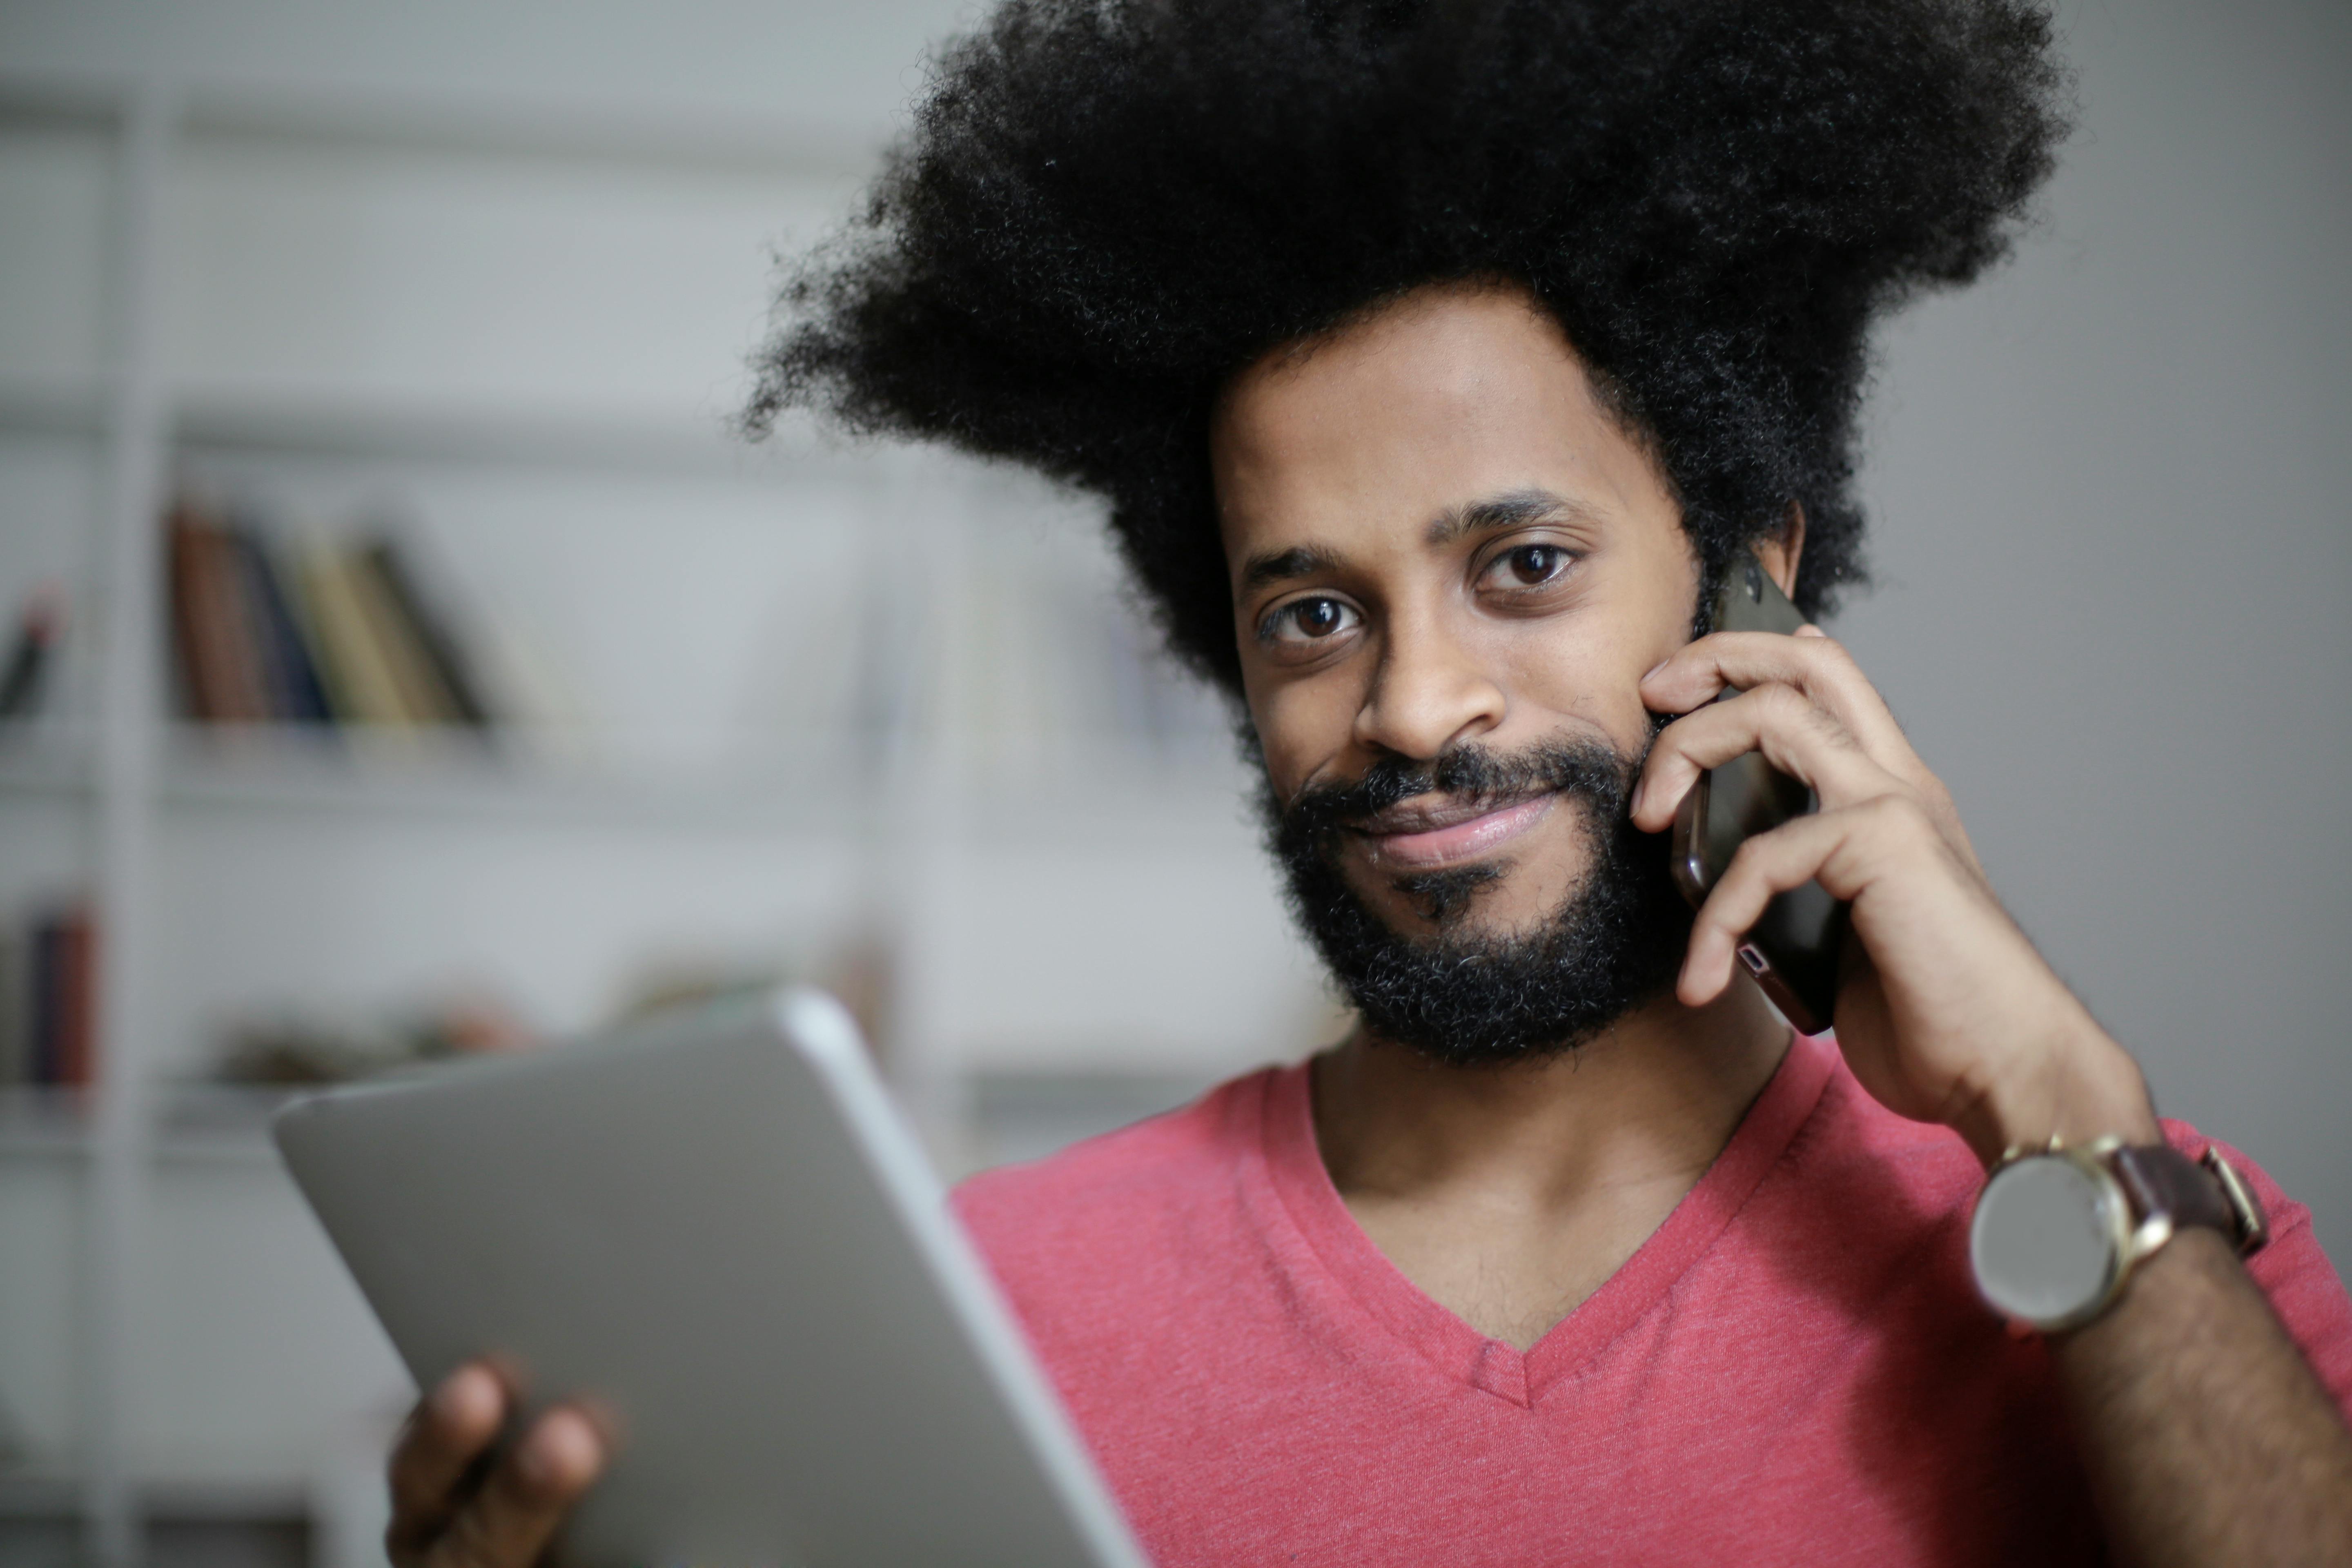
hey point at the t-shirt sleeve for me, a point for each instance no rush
(2292, 1270)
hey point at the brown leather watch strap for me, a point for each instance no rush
(2160, 1179)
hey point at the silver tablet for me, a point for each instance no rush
(718, 1230)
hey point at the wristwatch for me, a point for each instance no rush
(2058, 1230)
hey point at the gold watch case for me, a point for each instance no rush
(2126, 1242)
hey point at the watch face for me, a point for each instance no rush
(2043, 1240)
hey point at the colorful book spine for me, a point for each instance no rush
(42, 1013)
(198, 687)
(74, 1051)
(15, 1007)
(215, 623)
(59, 1041)
(296, 695)
(335, 634)
(452, 670)
(22, 682)
(358, 674)
(419, 685)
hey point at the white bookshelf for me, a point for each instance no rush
(181, 1346)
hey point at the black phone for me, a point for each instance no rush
(1792, 950)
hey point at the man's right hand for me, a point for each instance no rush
(449, 1511)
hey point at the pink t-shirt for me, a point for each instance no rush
(1794, 1368)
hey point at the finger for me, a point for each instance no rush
(1766, 867)
(511, 1520)
(1795, 736)
(1836, 848)
(1814, 663)
(447, 1432)
(1832, 683)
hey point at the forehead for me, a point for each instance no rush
(1359, 439)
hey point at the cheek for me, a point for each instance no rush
(1302, 725)
(1567, 670)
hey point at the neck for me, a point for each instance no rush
(1511, 1192)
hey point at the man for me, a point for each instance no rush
(1437, 362)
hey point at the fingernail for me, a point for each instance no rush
(540, 1460)
(559, 1452)
(459, 1394)
(1657, 667)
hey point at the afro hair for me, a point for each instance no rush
(1106, 208)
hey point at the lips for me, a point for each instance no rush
(1423, 837)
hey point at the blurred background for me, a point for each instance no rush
(404, 659)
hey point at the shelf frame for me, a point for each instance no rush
(137, 437)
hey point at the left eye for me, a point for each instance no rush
(1532, 565)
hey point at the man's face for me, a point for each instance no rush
(1442, 547)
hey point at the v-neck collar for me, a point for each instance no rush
(1296, 1168)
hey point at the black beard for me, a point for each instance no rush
(1463, 999)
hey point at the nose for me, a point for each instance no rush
(1427, 693)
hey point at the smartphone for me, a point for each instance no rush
(1792, 950)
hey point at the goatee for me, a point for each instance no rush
(1466, 999)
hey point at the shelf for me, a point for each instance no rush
(425, 773)
(358, 423)
(44, 1123)
(55, 405)
(193, 1124)
(45, 759)
(772, 145)
(1126, 793)
(1031, 1113)
(39, 1495)
(1101, 785)
(48, 99)
(681, 136)
(344, 422)
(57, 1495)
(220, 1123)
(341, 421)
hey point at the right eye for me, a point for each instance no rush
(1310, 620)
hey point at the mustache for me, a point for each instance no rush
(1465, 996)
(1586, 768)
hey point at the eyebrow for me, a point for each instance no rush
(1513, 508)
(1282, 565)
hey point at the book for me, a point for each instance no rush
(73, 1051)
(332, 633)
(428, 625)
(296, 695)
(225, 629)
(359, 677)
(15, 1007)
(214, 625)
(22, 683)
(42, 1014)
(419, 684)
(198, 698)
(60, 1050)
